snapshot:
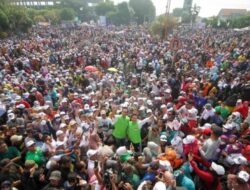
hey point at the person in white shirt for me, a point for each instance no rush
(188, 114)
(207, 113)
(104, 126)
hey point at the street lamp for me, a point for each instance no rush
(194, 13)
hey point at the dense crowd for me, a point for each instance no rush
(115, 108)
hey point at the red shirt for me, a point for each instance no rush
(25, 103)
(206, 177)
(40, 98)
(243, 110)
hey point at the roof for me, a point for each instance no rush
(232, 12)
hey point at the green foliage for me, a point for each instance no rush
(177, 12)
(19, 19)
(67, 14)
(121, 16)
(4, 21)
(3, 35)
(240, 22)
(39, 18)
(237, 22)
(102, 9)
(162, 25)
(144, 10)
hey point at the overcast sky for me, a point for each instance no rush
(208, 7)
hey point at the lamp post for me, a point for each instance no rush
(194, 13)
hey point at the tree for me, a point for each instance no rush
(121, 16)
(177, 12)
(19, 19)
(67, 14)
(52, 16)
(103, 8)
(163, 25)
(4, 21)
(81, 8)
(39, 18)
(144, 10)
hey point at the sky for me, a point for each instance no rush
(208, 7)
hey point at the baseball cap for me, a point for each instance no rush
(163, 138)
(91, 152)
(207, 131)
(220, 170)
(30, 143)
(189, 139)
(121, 150)
(244, 176)
(62, 125)
(55, 175)
(59, 132)
(240, 160)
(176, 141)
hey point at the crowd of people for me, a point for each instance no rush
(115, 108)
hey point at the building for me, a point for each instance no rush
(40, 3)
(225, 14)
(187, 5)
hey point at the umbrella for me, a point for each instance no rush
(112, 69)
(91, 68)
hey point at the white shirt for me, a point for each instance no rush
(207, 113)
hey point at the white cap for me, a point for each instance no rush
(240, 160)
(62, 125)
(176, 141)
(228, 126)
(207, 125)
(62, 113)
(152, 145)
(163, 106)
(163, 138)
(121, 150)
(237, 114)
(46, 107)
(167, 91)
(149, 111)
(29, 143)
(18, 98)
(43, 122)
(189, 139)
(218, 168)
(64, 100)
(33, 89)
(91, 152)
(244, 176)
(59, 132)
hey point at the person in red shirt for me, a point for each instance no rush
(38, 95)
(19, 101)
(210, 178)
(243, 109)
(49, 112)
(244, 129)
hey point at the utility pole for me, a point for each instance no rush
(166, 20)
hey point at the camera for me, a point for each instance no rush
(106, 178)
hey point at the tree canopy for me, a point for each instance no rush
(144, 10)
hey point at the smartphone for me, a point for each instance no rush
(96, 164)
